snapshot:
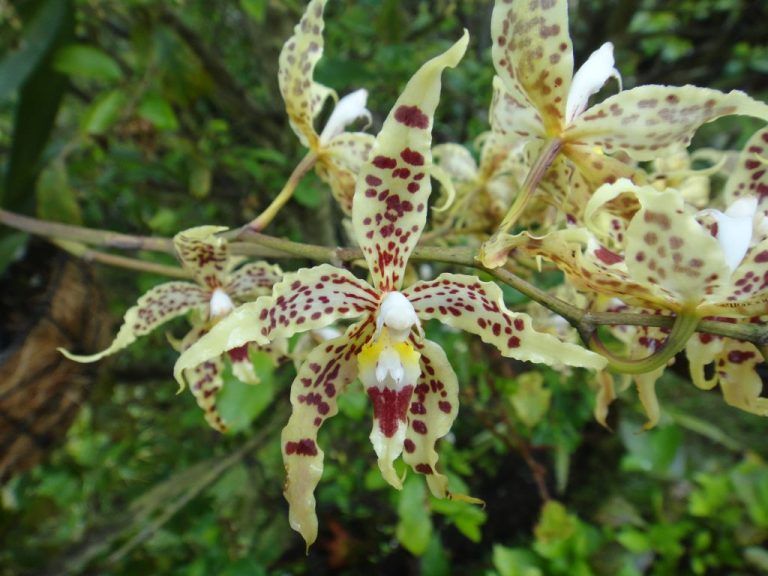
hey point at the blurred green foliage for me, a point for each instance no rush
(153, 116)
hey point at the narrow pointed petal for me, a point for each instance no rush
(326, 372)
(304, 98)
(532, 48)
(308, 299)
(350, 108)
(253, 280)
(651, 121)
(750, 176)
(161, 304)
(205, 382)
(646, 391)
(340, 162)
(589, 79)
(468, 304)
(390, 204)
(433, 408)
(204, 254)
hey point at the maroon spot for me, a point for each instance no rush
(413, 157)
(384, 162)
(739, 356)
(444, 406)
(412, 116)
(423, 468)
(239, 354)
(304, 447)
(762, 256)
(513, 342)
(372, 180)
(606, 256)
(413, 187)
(419, 427)
(390, 407)
(409, 446)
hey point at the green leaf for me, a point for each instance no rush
(56, 200)
(256, 9)
(240, 404)
(158, 111)
(11, 247)
(103, 112)
(515, 561)
(86, 61)
(39, 33)
(414, 529)
(38, 104)
(309, 193)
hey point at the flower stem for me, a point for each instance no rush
(683, 328)
(263, 220)
(90, 255)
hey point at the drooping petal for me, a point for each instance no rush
(340, 162)
(589, 79)
(646, 392)
(701, 350)
(532, 48)
(350, 108)
(252, 280)
(390, 206)
(304, 98)
(468, 304)
(159, 305)
(326, 372)
(651, 121)
(739, 381)
(308, 299)
(433, 408)
(204, 254)
(750, 177)
(205, 382)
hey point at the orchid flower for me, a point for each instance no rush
(538, 99)
(215, 294)
(409, 380)
(340, 154)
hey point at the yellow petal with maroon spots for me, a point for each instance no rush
(161, 304)
(326, 372)
(532, 53)
(205, 382)
(252, 280)
(204, 254)
(466, 303)
(432, 410)
(390, 203)
(340, 162)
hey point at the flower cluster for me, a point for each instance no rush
(631, 238)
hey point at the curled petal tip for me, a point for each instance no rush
(589, 79)
(347, 110)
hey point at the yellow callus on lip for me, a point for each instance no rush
(368, 358)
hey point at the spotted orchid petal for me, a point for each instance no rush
(252, 280)
(303, 97)
(466, 303)
(390, 205)
(389, 370)
(432, 410)
(205, 381)
(750, 176)
(701, 350)
(159, 305)
(326, 372)
(533, 55)
(340, 161)
(739, 381)
(650, 121)
(646, 392)
(204, 254)
(308, 299)
(513, 115)
(350, 108)
(589, 79)
(747, 293)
